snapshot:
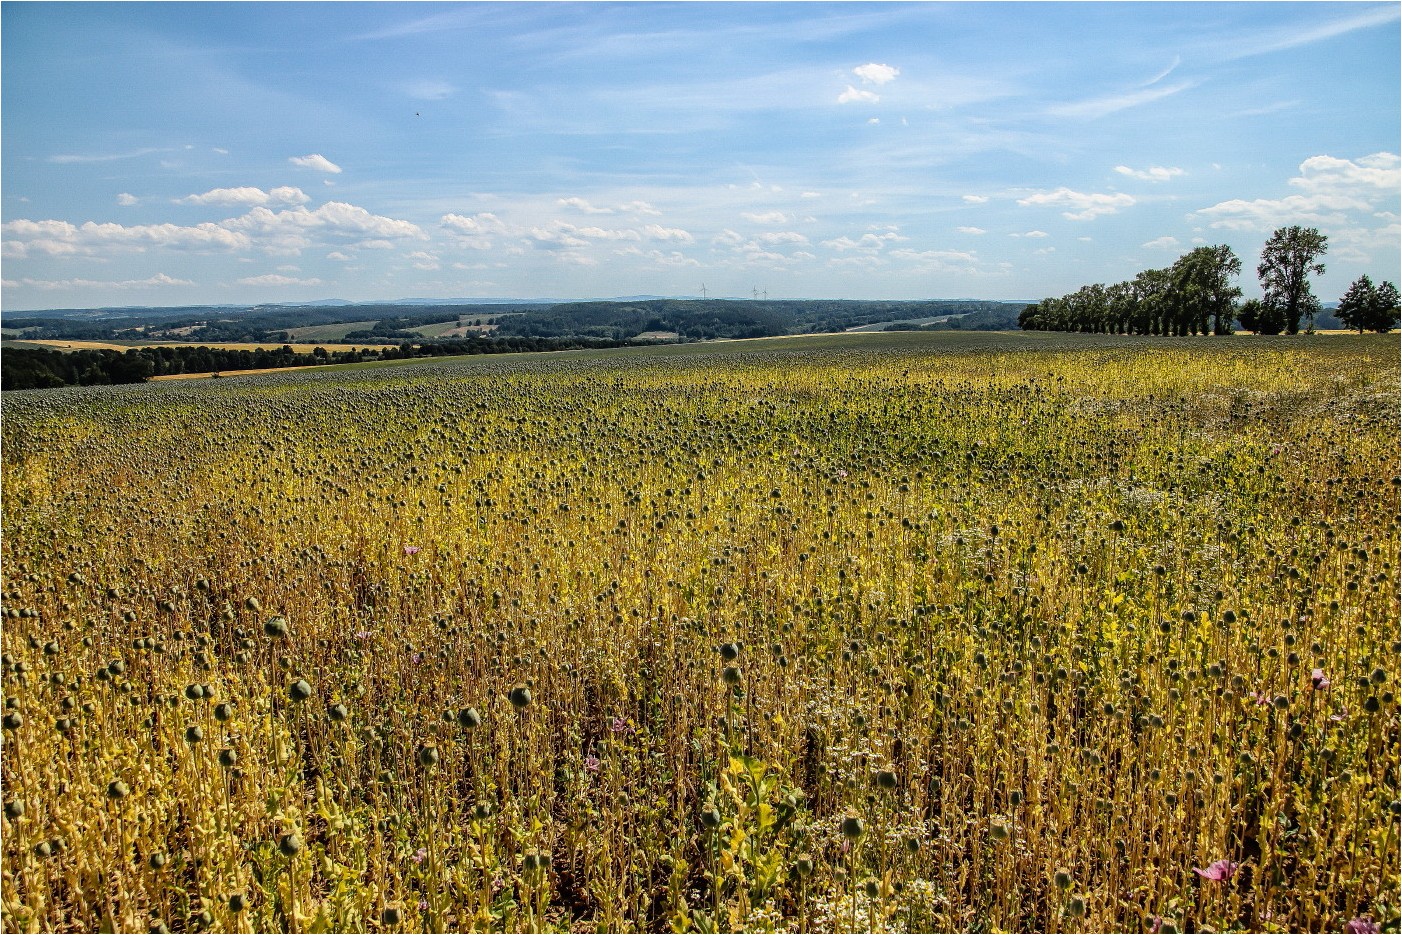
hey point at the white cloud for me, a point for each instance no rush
(1083, 206)
(51, 285)
(639, 207)
(976, 199)
(275, 279)
(765, 217)
(657, 232)
(1161, 243)
(294, 229)
(60, 238)
(316, 161)
(778, 237)
(1331, 189)
(811, 195)
(945, 260)
(876, 74)
(1151, 174)
(852, 94)
(339, 256)
(867, 243)
(971, 230)
(126, 200)
(285, 194)
(583, 205)
(422, 260)
(873, 121)
(1032, 234)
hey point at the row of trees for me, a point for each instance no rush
(1196, 295)
(29, 368)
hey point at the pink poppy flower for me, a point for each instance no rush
(1221, 870)
(1362, 925)
(618, 725)
(420, 855)
(591, 763)
(411, 550)
(1318, 680)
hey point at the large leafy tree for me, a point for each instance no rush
(1203, 288)
(1289, 258)
(1368, 307)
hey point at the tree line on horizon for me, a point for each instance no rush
(1197, 295)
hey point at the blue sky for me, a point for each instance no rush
(212, 153)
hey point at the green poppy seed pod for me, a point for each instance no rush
(1371, 705)
(852, 828)
(299, 690)
(520, 696)
(193, 734)
(804, 866)
(14, 809)
(1281, 702)
(156, 860)
(253, 604)
(469, 718)
(289, 844)
(482, 811)
(1379, 676)
(276, 627)
(391, 916)
(13, 721)
(228, 757)
(1168, 927)
(999, 831)
(730, 675)
(912, 845)
(1076, 907)
(730, 651)
(116, 789)
(871, 889)
(51, 648)
(531, 862)
(158, 927)
(886, 779)
(238, 903)
(201, 584)
(223, 711)
(1015, 797)
(428, 755)
(1117, 526)
(76, 578)
(1062, 879)
(337, 712)
(43, 849)
(194, 692)
(710, 817)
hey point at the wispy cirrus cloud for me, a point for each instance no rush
(1094, 108)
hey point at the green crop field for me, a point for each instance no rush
(871, 632)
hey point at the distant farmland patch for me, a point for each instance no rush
(297, 348)
(332, 332)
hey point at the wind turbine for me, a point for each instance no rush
(703, 292)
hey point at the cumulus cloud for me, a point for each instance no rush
(1332, 193)
(1081, 206)
(765, 217)
(976, 199)
(640, 207)
(657, 232)
(1161, 243)
(294, 229)
(422, 260)
(316, 161)
(24, 237)
(855, 95)
(285, 194)
(876, 74)
(971, 230)
(867, 243)
(937, 260)
(1032, 234)
(1151, 174)
(781, 237)
(126, 200)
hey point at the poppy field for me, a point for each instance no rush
(878, 632)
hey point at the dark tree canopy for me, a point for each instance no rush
(1367, 307)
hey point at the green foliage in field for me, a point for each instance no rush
(881, 632)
